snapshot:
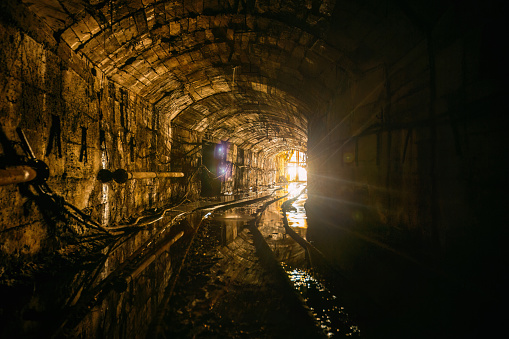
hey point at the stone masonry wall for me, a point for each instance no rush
(47, 88)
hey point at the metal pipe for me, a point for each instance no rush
(149, 175)
(16, 175)
(121, 175)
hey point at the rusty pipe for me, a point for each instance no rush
(149, 175)
(17, 175)
(121, 175)
(34, 170)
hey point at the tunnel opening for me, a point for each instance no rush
(291, 166)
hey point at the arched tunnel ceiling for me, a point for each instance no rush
(248, 71)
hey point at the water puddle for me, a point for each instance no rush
(231, 222)
(326, 307)
(334, 321)
(296, 216)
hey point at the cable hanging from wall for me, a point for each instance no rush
(53, 205)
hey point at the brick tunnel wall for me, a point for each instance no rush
(405, 171)
(46, 86)
(44, 93)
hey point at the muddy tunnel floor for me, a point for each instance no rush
(225, 292)
(226, 289)
(236, 272)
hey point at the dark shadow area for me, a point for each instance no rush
(413, 297)
(211, 159)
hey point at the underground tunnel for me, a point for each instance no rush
(226, 168)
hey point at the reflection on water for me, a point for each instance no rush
(231, 222)
(296, 216)
(294, 189)
(327, 309)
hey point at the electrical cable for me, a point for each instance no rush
(158, 216)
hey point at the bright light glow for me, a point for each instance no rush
(294, 189)
(303, 174)
(293, 170)
(294, 166)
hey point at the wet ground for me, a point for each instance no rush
(231, 267)
(102, 286)
(245, 276)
